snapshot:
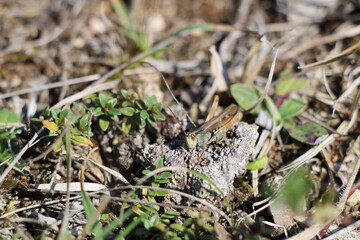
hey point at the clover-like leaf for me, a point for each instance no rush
(292, 107)
(245, 96)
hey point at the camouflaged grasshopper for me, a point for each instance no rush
(215, 127)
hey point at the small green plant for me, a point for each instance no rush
(132, 112)
(156, 221)
(283, 110)
(137, 37)
(79, 129)
(147, 221)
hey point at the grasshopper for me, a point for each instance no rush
(215, 128)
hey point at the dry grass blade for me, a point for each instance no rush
(354, 31)
(87, 92)
(341, 55)
(69, 82)
(267, 86)
(112, 172)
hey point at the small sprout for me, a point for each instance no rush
(259, 163)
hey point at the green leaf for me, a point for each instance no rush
(292, 107)
(55, 113)
(150, 101)
(7, 116)
(151, 120)
(104, 123)
(127, 111)
(157, 107)
(98, 112)
(114, 111)
(65, 113)
(159, 193)
(259, 163)
(288, 83)
(126, 126)
(103, 99)
(159, 116)
(112, 102)
(164, 175)
(84, 121)
(158, 163)
(152, 222)
(177, 227)
(141, 105)
(170, 214)
(309, 133)
(144, 114)
(142, 123)
(245, 96)
(115, 118)
(124, 93)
